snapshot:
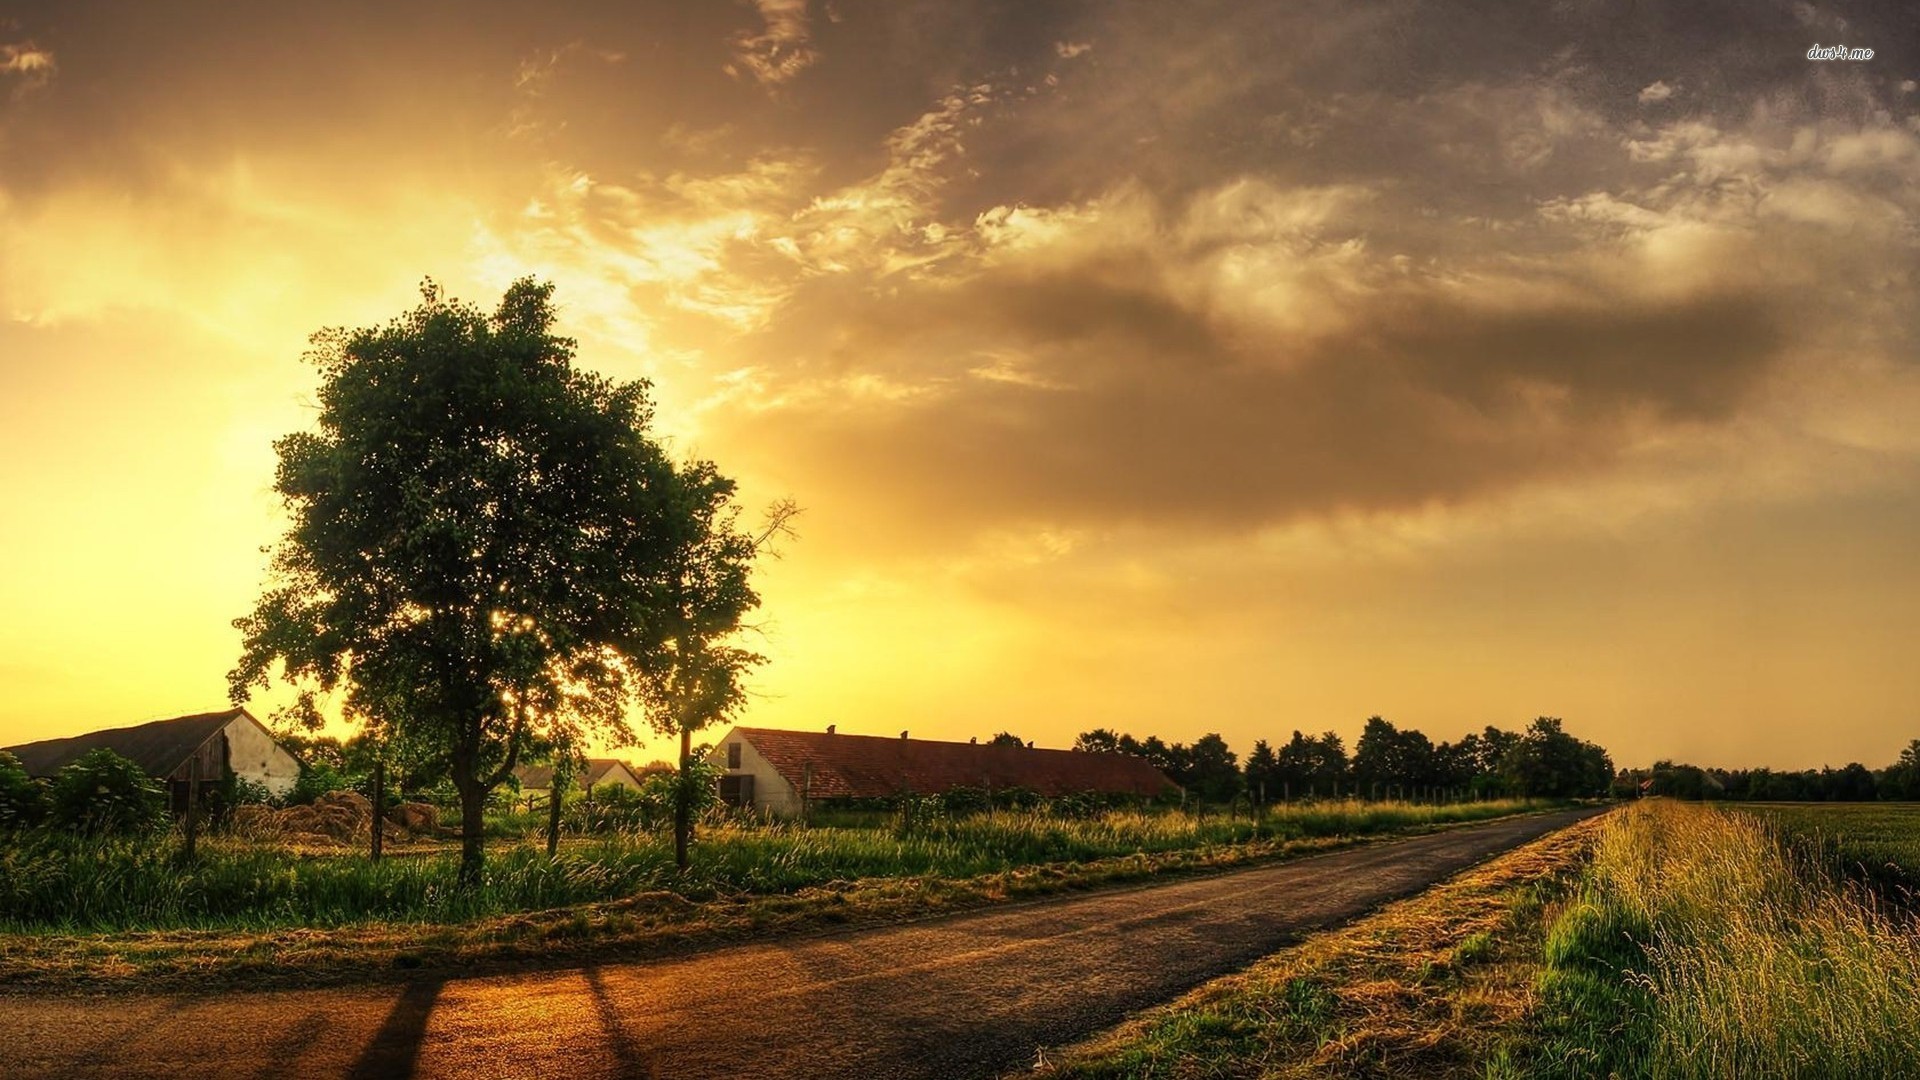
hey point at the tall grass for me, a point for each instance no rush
(50, 882)
(1705, 945)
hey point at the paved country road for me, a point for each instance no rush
(961, 996)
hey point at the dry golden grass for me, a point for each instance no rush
(1439, 985)
(1758, 963)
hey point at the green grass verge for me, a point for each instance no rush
(745, 883)
(63, 884)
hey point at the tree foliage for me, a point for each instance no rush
(1387, 761)
(1310, 765)
(1386, 758)
(1547, 762)
(479, 543)
(1853, 782)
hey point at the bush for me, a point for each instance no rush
(961, 801)
(23, 800)
(614, 808)
(105, 793)
(320, 779)
(1079, 805)
(240, 791)
(702, 783)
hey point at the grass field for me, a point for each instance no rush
(60, 884)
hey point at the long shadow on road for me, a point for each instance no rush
(394, 1050)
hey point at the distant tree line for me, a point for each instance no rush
(1387, 762)
(1853, 782)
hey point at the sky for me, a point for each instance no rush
(1171, 368)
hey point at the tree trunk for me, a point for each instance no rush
(683, 802)
(473, 825)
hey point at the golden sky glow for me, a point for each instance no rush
(1173, 368)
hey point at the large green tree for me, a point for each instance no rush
(1546, 761)
(481, 548)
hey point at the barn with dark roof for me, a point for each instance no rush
(170, 750)
(776, 770)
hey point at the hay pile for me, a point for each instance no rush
(343, 817)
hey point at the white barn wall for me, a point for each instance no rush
(771, 792)
(253, 755)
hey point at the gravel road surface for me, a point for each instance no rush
(968, 995)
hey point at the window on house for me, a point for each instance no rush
(733, 755)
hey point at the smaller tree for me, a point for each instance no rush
(1264, 780)
(1376, 756)
(566, 763)
(1213, 771)
(1901, 780)
(1098, 741)
(694, 677)
(104, 793)
(1007, 738)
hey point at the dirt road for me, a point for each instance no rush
(962, 996)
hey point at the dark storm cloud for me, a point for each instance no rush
(1132, 407)
(1217, 262)
(1541, 267)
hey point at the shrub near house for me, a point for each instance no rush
(105, 793)
(23, 800)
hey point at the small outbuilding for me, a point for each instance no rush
(206, 745)
(779, 771)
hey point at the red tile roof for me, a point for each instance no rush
(867, 766)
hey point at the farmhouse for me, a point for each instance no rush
(777, 770)
(169, 749)
(537, 780)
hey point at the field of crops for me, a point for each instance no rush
(1879, 842)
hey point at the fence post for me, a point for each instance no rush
(379, 805)
(193, 803)
(806, 791)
